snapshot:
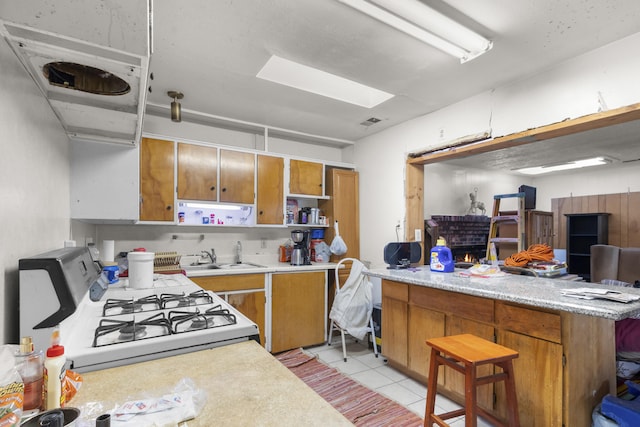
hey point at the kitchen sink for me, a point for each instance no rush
(201, 267)
(241, 265)
(198, 267)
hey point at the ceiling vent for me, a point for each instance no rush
(370, 121)
(84, 78)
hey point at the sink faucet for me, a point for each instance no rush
(212, 255)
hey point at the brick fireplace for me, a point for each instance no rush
(466, 235)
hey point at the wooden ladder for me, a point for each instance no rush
(497, 219)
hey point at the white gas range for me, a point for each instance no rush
(105, 326)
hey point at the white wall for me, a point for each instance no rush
(34, 182)
(184, 130)
(568, 90)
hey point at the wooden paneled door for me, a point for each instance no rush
(344, 207)
(197, 172)
(157, 195)
(305, 178)
(270, 194)
(237, 176)
(298, 310)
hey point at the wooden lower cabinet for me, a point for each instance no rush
(538, 379)
(298, 310)
(245, 292)
(423, 325)
(395, 321)
(566, 362)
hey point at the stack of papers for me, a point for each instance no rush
(596, 293)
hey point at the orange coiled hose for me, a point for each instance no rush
(537, 252)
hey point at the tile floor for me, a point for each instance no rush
(364, 367)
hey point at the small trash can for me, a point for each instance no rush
(377, 325)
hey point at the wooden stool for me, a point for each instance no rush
(464, 353)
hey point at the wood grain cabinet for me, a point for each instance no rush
(306, 178)
(157, 195)
(554, 348)
(270, 190)
(197, 172)
(245, 292)
(237, 176)
(343, 206)
(395, 300)
(298, 310)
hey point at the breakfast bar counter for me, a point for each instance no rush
(527, 290)
(243, 383)
(566, 346)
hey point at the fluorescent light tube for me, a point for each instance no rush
(309, 79)
(596, 161)
(210, 206)
(425, 24)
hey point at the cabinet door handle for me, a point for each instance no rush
(169, 207)
(212, 188)
(224, 189)
(261, 212)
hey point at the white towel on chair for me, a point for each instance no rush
(353, 303)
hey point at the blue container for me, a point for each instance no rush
(317, 233)
(112, 272)
(441, 258)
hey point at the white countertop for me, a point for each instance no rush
(526, 290)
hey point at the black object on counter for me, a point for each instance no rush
(103, 420)
(52, 419)
(402, 254)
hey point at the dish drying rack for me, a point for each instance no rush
(166, 262)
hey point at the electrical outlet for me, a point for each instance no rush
(418, 235)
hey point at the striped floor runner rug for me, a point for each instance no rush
(359, 404)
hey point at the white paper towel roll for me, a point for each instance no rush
(108, 250)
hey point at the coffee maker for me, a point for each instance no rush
(301, 253)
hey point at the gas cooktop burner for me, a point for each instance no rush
(181, 300)
(185, 321)
(111, 331)
(132, 332)
(114, 307)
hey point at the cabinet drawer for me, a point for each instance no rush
(236, 282)
(394, 290)
(466, 306)
(538, 324)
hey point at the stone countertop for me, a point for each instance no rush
(270, 267)
(245, 386)
(526, 290)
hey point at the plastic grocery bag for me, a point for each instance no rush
(11, 389)
(338, 246)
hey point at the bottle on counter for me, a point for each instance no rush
(441, 257)
(29, 364)
(54, 373)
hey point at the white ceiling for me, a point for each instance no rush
(212, 50)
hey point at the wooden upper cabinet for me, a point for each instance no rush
(197, 172)
(157, 159)
(343, 206)
(270, 194)
(306, 178)
(237, 176)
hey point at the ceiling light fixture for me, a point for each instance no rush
(596, 161)
(176, 108)
(425, 24)
(309, 79)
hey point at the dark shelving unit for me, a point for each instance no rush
(584, 230)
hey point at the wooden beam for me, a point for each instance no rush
(555, 130)
(414, 203)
